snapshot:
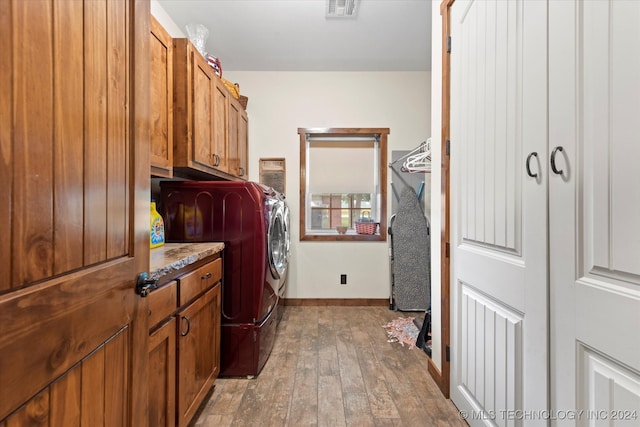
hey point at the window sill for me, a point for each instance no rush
(344, 237)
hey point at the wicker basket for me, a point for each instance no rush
(233, 88)
(243, 101)
(366, 227)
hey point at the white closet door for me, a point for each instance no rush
(594, 115)
(499, 213)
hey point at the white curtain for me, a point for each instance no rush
(342, 166)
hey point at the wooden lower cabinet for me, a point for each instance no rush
(198, 352)
(184, 344)
(162, 375)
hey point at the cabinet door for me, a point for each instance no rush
(243, 144)
(220, 132)
(203, 108)
(233, 164)
(198, 352)
(161, 102)
(74, 138)
(162, 375)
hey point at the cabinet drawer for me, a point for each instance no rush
(163, 303)
(197, 281)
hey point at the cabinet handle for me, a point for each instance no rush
(217, 160)
(554, 168)
(241, 171)
(206, 276)
(528, 164)
(185, 333)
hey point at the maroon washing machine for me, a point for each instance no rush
(253, 222)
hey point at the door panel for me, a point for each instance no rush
(202, 110)
(68, 152)
(32, 234)
(74, 123)
(220, 129)
(233, 149)
(72, 400)
(594, 206)
(498, 116)
(491, 362)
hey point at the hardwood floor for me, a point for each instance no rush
(333, 366)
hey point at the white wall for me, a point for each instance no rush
(282, 102)
(165, 20)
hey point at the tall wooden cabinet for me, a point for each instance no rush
(74, 149)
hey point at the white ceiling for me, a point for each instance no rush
(294, 35)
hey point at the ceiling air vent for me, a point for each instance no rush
(342, 8)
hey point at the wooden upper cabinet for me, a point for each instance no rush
(74, 191)
(243, 144)
(232, 147)
(161, 102)
(202, 123)
(200, 114)
(219, 148)
(208, 122)
(237, 139)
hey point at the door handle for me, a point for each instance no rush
(554, 168)
(528, 164)
(145, 284)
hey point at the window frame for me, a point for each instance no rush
(381, 134)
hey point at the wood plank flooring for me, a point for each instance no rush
(333, 366)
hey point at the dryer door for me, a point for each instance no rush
(277, 241)
(287, 232)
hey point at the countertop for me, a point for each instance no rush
(175, 256)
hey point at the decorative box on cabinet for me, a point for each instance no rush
(184, 343)
(161, 101)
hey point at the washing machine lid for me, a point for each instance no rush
(277, 241)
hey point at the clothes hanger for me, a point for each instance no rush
(420, 148)
(420, 161)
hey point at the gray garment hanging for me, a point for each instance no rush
(411, 255)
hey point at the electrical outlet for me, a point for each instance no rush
(343, 279)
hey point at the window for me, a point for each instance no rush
(343, 182)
